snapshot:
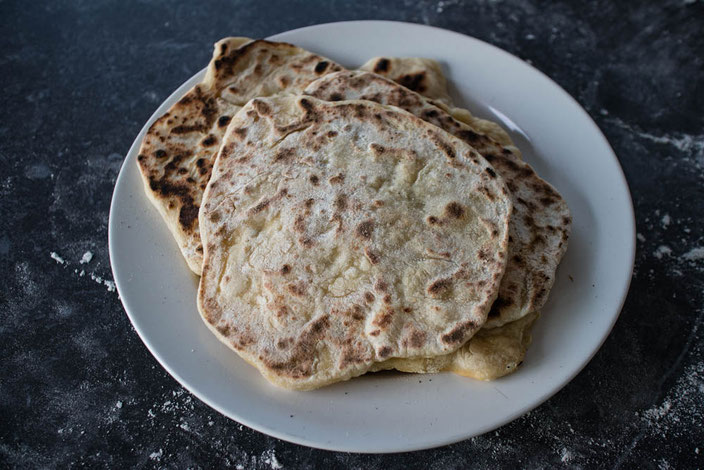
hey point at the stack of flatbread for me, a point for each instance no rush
(348, 221)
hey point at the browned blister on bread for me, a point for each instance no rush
(342, 234)
(177, 153)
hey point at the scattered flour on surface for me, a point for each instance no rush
(87, 256)
(156, 455)
(682, 142)
(269, 458)
(682, 404)
(107, 283)
(661, 251)
(666, 220)
(659, 412)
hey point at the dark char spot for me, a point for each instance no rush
(382, 65)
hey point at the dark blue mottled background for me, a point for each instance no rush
(79, 79)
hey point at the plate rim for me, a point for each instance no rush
(430, 443)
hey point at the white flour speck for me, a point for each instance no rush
(666, 220)
(57, 258)
(640, 237)
(184, 426)
(87, 256)
(696, 451)
(565, 455)
(118, 404)
(530, 36)
(156, 455)
(239, 466)
(151, 413)
(662, 251)
(269, 458)
(695, 254)
(663, 465)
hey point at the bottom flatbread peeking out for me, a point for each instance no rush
(488, 355)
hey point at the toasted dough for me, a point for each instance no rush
(339, 235)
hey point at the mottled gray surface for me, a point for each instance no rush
(77, 386)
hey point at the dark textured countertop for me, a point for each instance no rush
(79, 79)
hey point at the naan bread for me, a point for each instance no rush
(425, 77)
(178, 151)
(342, 234)
(540, 224)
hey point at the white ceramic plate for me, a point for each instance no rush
(396, 412)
